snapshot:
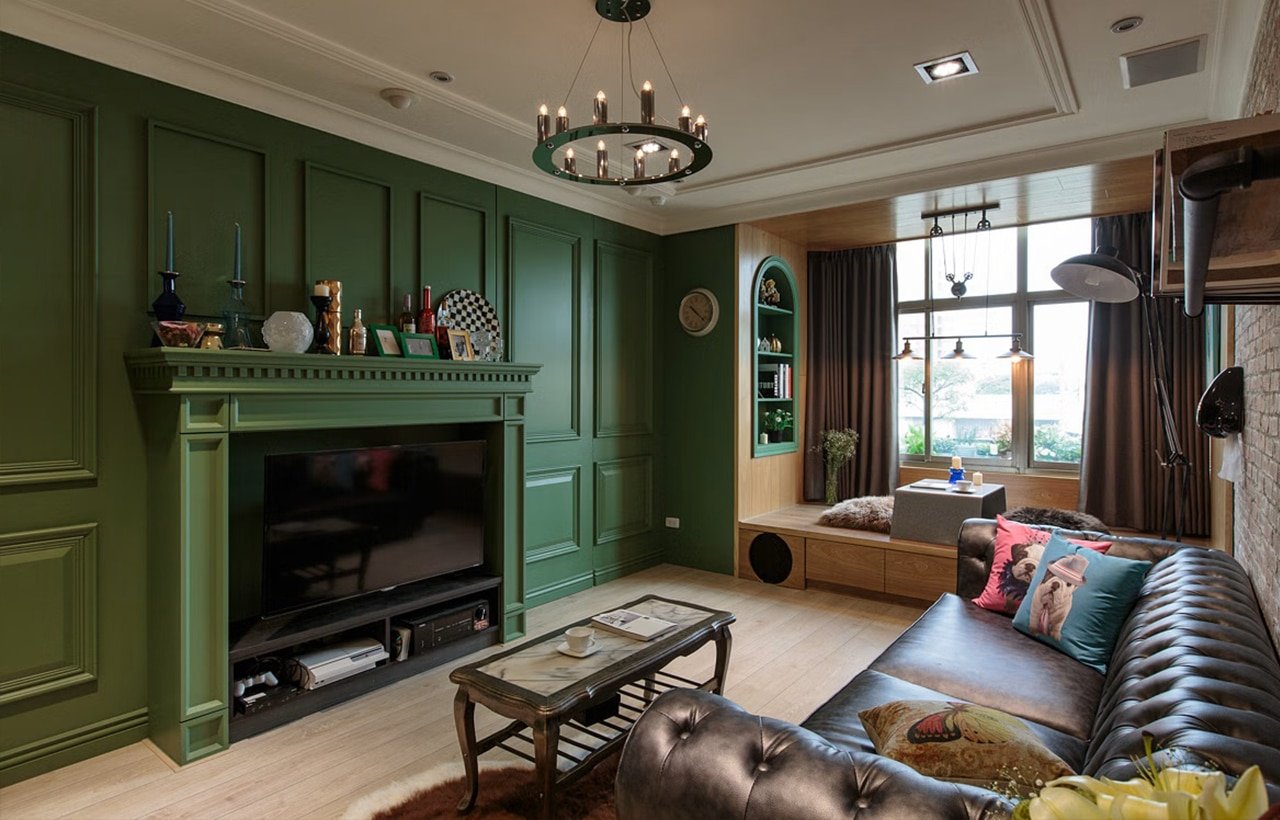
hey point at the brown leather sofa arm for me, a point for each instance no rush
(699, 756)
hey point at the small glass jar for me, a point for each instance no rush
(212, 338)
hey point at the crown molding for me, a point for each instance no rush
(1038, 20)
(93, 40)
(1234, 41)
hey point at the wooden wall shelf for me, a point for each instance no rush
(782, 321)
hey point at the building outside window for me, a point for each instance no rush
(993, 411)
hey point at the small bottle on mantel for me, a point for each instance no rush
(426, 319)
(359, 339)
(407, 323)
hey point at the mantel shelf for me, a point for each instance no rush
(187, 370)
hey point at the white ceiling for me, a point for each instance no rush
(810, 103)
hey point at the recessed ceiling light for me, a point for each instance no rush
(649, 146)
(945, 68)
(1126, 24)
(441, 76)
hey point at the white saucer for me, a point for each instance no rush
(969, 491)
(564, 649)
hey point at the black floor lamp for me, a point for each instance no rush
(1102, 277)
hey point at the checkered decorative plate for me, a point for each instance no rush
(467, 310)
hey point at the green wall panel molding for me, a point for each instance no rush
(551, 522)
(457, 243)
(393, 224)
(49, 586)
(48, 157)
(697, 459)
(57, 750)
(623, 341)
(545, 283)
(348, 236)
(617, 569)
(210, 183)
(624, 498)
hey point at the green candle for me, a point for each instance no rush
(237, 275)
(168, 257)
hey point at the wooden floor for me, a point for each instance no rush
(792, 649)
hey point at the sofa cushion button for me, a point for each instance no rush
(863, 803)
(762, 767)
(684, 735)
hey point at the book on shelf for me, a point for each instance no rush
(632, 624)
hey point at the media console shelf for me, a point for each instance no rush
(194, 402)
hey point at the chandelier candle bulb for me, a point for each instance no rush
(544, 123)
(684, 122)
(638, 164)
(570, 162)
(646, 103)
(700, 128)
(562, 120)
(673, 164)
(320, 290)
(600, 109)
(602, 161)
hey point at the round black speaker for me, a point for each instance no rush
(770, 558)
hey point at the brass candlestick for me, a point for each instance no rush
(334, 317)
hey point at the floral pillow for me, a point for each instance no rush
(961, 742)
(1017, 555)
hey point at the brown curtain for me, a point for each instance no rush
(1121, 480)
(850, 382)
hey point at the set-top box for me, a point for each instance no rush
(431, 629)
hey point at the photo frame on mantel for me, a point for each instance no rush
(386, 340)
(419, 346)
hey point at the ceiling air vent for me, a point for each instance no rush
(1163, 62)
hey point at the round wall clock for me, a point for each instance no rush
(699, 312)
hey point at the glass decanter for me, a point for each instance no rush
(235, 318)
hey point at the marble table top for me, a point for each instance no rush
(539, 669)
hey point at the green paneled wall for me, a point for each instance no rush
(91, 159)
(697, 412)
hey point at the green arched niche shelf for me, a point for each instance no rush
(776, 372)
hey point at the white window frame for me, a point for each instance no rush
(1022, 304)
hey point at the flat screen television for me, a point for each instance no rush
(342, 523)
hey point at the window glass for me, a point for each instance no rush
(911, 388)
(910, 263)
(1048, 244)
(1061, 334)
(990, 256)
(971, 400)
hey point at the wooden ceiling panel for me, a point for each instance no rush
(1098, 189)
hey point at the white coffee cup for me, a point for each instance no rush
(579, 638)
(964, 485)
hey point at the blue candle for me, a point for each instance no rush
(237, 275)
(168, 257)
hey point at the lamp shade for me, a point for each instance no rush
(1098, 277)
(958, 353)
(1015, 352)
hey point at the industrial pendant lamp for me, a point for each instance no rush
(907, 352)
(1015, 351)
(958, 353)
(656, 153)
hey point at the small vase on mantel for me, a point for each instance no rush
(167, 306)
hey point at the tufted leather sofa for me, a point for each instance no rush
(1193, 665)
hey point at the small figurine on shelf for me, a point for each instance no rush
(775, 344)
(764, 346)
(769, 294)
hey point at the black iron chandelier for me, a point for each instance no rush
(658, 153)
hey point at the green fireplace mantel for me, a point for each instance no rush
(193, 402)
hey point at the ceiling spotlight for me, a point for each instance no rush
(1126, 24)
(649, 146)
(400, 98)
(945, 68)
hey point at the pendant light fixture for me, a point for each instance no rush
(907, 352)
(1015, 351)
(958, 353)
(685, 143)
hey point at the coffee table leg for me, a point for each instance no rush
(724, 645)
(546, 745)
(464, 716)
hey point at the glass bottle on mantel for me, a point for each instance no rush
(426, 319)
(407, 323)
(235, 318)
(359, 339)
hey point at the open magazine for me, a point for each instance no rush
(632, 624)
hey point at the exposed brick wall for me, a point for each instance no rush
(1257, 501)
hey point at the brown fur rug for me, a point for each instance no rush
(872, 512)
(1066, 519)
(509, 793)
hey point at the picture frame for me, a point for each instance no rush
(419, 346)
(386, 340)
(460, 348)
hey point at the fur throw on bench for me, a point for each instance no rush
(1049, 517)
(872, 512)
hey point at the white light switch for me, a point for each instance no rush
(673, 523)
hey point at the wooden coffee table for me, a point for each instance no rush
(556, 701)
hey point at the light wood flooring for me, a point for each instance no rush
(792, 650)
